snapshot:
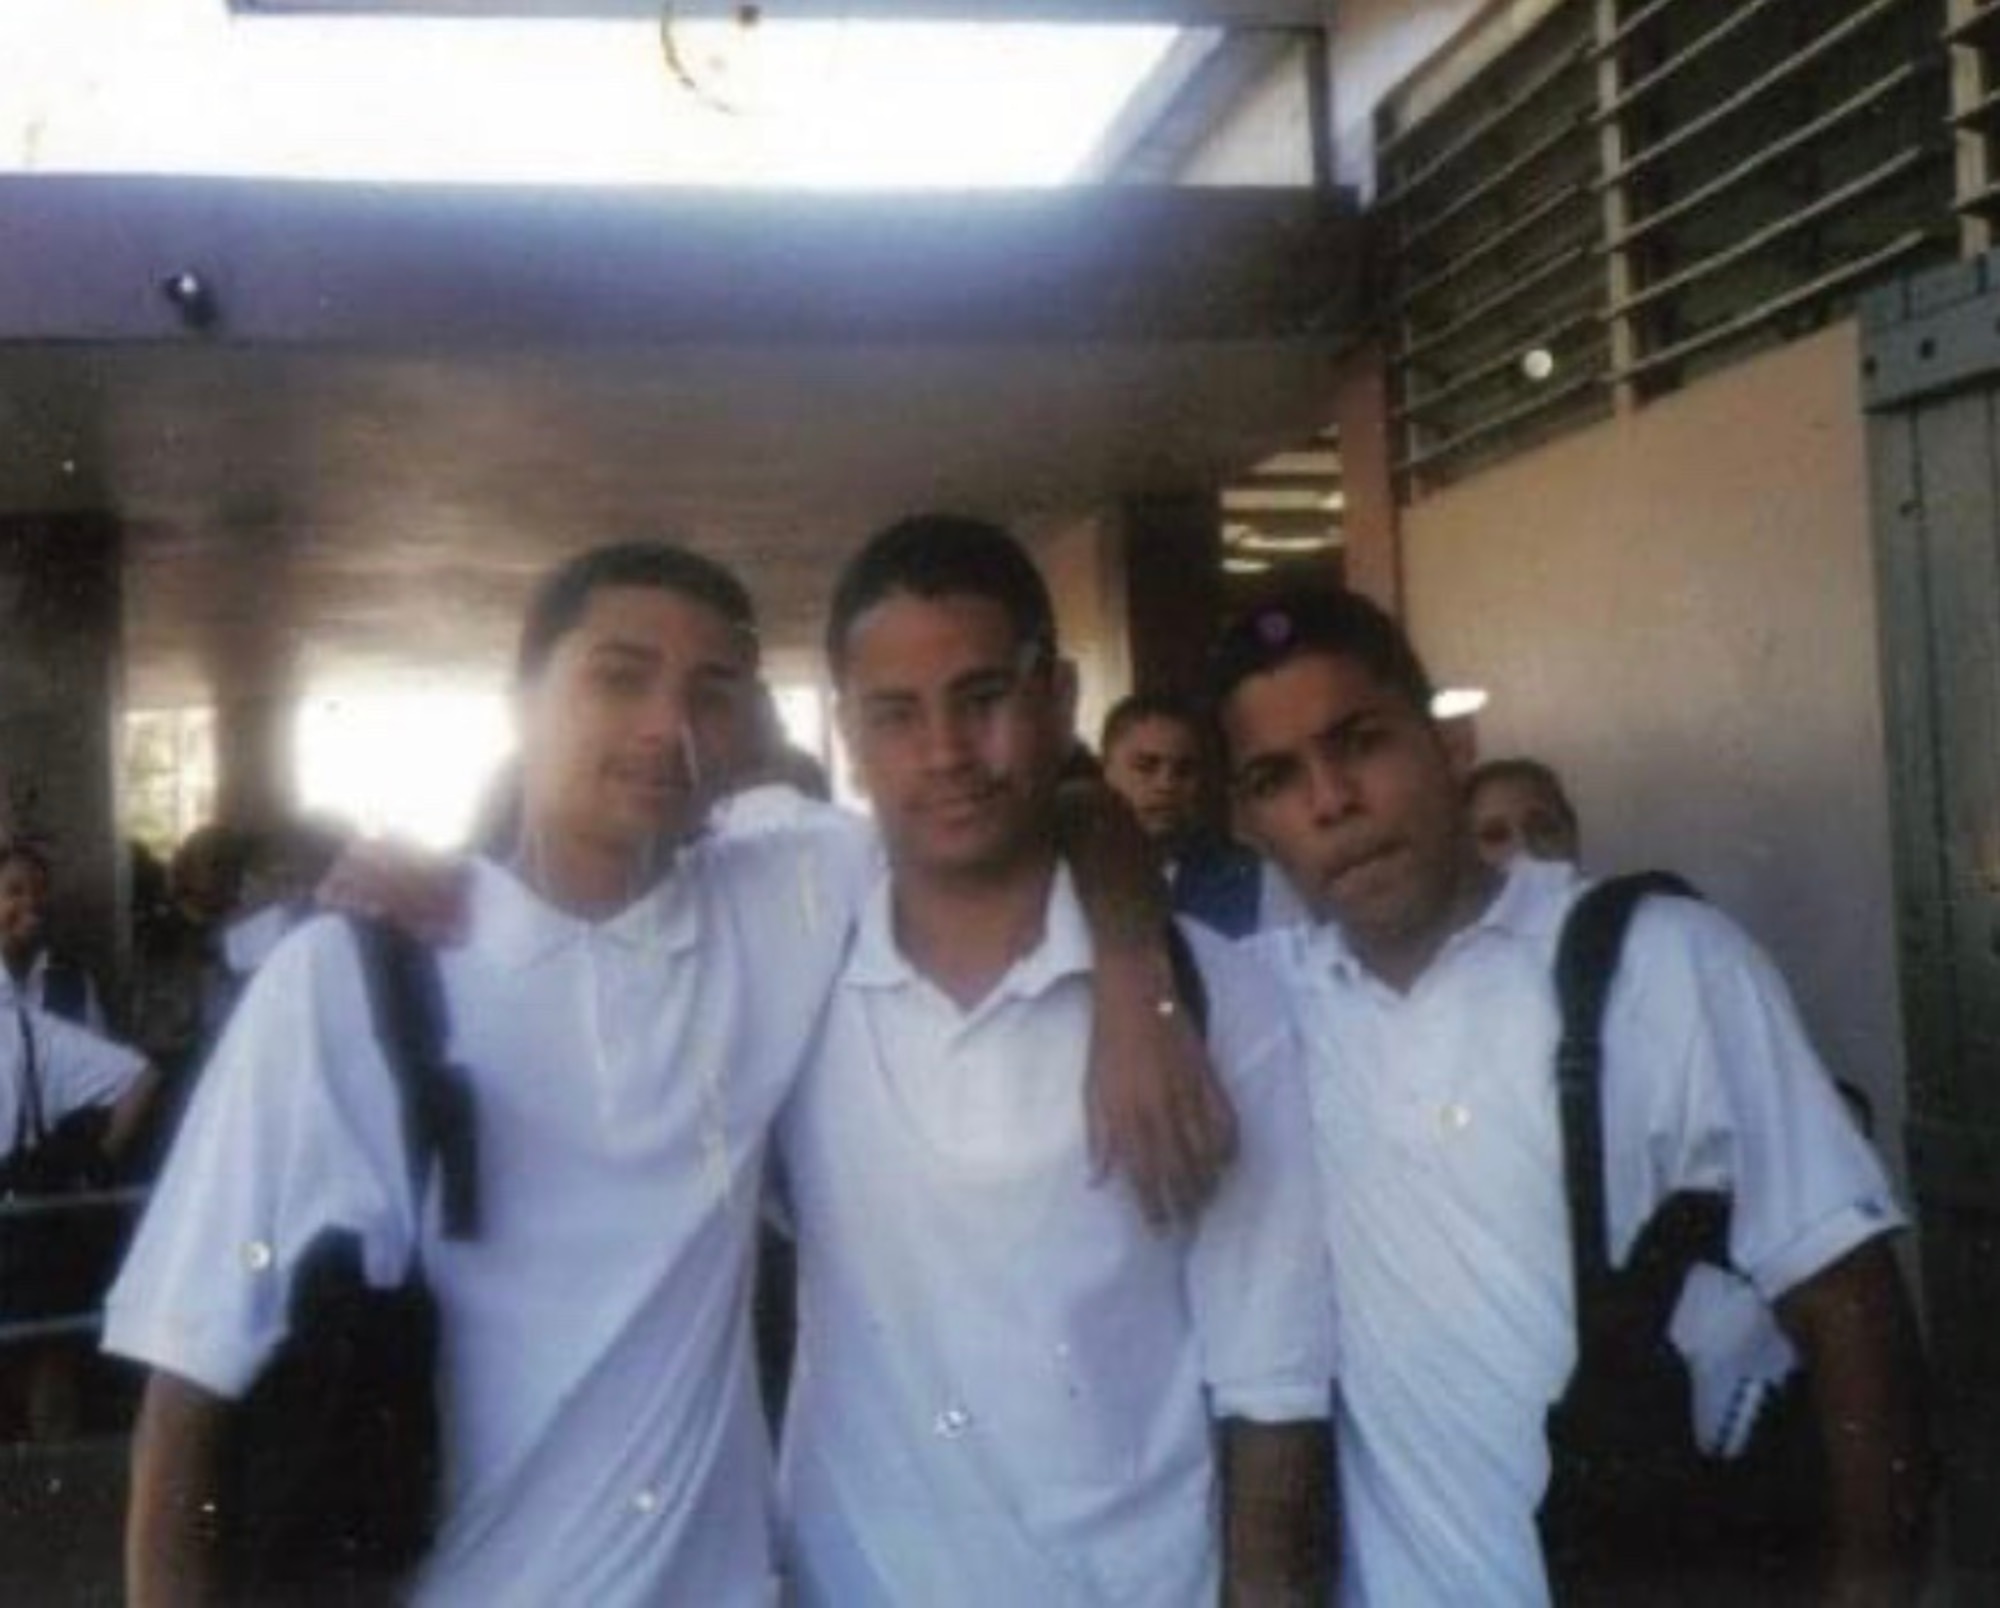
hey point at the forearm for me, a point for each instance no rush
(171, 1526)
(1117, 878)
(1855, 1330)
(1277, 1514)
(130, 1111)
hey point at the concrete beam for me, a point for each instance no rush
(1191, 13)
(452, 267)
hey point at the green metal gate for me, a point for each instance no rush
(1931, 362)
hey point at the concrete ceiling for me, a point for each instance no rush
(400, 407)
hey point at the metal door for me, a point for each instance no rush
(1931, 361)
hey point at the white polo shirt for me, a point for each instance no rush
(74, 1069)
(1436, 1118)
(603, 1439)
(1006, 1381)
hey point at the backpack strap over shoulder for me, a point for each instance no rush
(406, 998)
(1587, 957)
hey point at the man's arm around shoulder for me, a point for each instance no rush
(173, 1522)
(1277, 1514)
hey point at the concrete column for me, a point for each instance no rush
(61, 691)
(1372, 556)
(1173, 588)
(255, 780)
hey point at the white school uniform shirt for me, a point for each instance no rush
(74, 1069)
(33, 991)
(603, 1440)
(1006, 1381)
(1437, 1130)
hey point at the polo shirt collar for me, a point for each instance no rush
(518, 928)
(1063, 951)
(1530, 900)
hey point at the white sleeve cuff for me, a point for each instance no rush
(222, 1364)
(1823, 1244)
(1273, 1403)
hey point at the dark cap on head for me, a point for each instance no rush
(1331, 621)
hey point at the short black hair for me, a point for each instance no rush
(1137, 707)
(1325, 620)
(564, 594)
(942, 555)
(1530, 771)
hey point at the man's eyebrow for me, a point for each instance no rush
(1262, 765)
(986, 676)
(617, 648)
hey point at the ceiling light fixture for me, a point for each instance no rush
(1246, 566)
(1251, 540)
(1455, 703)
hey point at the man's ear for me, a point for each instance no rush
(1459, 736)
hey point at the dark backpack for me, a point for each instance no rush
(66, 990)
(330, 1481)
(1635, 1512)
(58, 1247)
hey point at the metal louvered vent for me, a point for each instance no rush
(1589, 202)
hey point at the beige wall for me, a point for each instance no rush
(1267, 136)
(1677, 610)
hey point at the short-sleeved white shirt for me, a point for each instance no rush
(602, 1438)
(74, 1069)
(1437, 1128)
(1006, 1381)
(33, 991)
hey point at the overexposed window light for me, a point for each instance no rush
(183, 87)
(1455, 703)
(414, 763)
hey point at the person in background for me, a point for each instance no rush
(282, 864)
(71, 1105)
(33, 974)
(1518, 807)
(180, 984)
(1160, 758)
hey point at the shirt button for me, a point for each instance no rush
(256, 1256)
(952, 1422)
(1456, 1117)
(646, 1502)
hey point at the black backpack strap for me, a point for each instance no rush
(65, 990)
(30, 1128)
(406, 997)
(1586, 964)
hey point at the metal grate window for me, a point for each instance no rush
(1495, 232)
(1770, 158)
(1717, 176)
(1973, 27)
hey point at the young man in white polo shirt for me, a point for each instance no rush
(628, 1034)
(1426, 992)
(630, 1009)
(1009, 1390)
